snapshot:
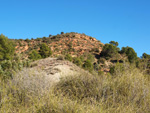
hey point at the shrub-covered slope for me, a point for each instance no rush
(72, 43)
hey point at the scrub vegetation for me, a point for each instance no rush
(108, 79)
(126, 91)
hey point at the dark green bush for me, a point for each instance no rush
(114, 43)
(96, 67)
(131, 54)
(62, 33)
(146, 56)
(27, 40)
(82, 58)
(7, 64)
(101, 60)
(45, 51)
(44, 39)
(70, 44)
(77, 61)
(6, 48)
(34, 55)
(109, 51)
(38, 39)
(88, 65)
(50, 35)
(1, 70)
(90, 57)
(15, 65)
(68, 57)
(95, 50)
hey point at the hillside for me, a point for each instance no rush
(73, 43)
(72, 72)
(80, 49)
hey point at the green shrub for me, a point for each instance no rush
(6, 64)
(82, 58)
(131, 54)
(146, 56)
(50, 35)
(109, 51)
(90, 57)
(14, 66)
(70, 45)
(77, 61)
(34, 55)
(95, 50)
(45, 51)
(117, 69)
(96, 67)
(1, 72)
(68, 57)
(27, 40)
(101, 60)
(62, 33)
(38, 39)
(6, 48)
(88, 65)
(114, 43)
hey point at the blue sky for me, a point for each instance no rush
(125, 21)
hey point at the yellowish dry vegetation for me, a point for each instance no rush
(124, 92)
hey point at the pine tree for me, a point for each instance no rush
(6, 48)
(45, 51)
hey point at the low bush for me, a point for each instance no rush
(77, 61)
(130, 53)
(88, 65)
(109, 51)
(45, 51)
(34, 55)
(101, 61)
(68, 57)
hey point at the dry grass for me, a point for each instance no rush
(115, 94)
(29, 91)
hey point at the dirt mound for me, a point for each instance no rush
(55, 69)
